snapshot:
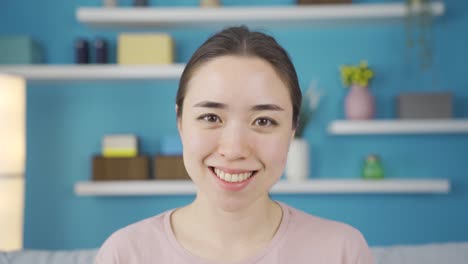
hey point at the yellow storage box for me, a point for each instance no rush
(145, 49)
(120, 146)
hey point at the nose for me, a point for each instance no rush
(234, 143)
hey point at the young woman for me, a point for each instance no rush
(237, 108)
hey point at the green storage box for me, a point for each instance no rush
(19, 50)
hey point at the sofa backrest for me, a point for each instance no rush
(48, 257)
(443, 253)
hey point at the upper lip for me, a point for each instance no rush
(232, 171)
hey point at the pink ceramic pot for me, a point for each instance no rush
(359, 103)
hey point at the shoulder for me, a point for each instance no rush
(305, 223)
(142, 229)
(132, 241)
(328, 237)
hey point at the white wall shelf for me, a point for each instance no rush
(94, 72)
(387, 126)
(252, 15)
(318, 186)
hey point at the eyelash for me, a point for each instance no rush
(206, 118)
(271, 121)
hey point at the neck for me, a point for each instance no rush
(255, 223)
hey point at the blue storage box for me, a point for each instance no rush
(19, 50)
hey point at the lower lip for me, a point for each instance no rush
(232, 186)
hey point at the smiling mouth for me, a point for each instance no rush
(232, 177)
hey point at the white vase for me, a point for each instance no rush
(297, 165)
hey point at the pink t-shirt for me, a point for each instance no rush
(300, 238)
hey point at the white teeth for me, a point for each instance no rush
(221, 174)
(244, 176)
(232, 177)
(227, 177)
(235, 178)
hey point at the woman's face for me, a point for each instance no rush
(236, 127)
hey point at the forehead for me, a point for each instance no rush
(249, 79)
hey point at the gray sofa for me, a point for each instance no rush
(443, 253)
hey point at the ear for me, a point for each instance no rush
(178, 119)
(293, 134)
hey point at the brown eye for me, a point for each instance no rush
(265, 122)
(211, 118)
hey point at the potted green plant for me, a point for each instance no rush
(359, 103)
(310, 102)
(418, 29)
(297, 166)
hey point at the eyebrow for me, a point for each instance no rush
(260, 107)
(271, 107)
(210, 104)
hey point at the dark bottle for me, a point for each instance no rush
(140, 2)
(101, 49)
(81, 51)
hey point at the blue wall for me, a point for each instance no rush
(65, 123)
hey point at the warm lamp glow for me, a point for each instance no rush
(12, 158)
(12, 134)
(11, 213)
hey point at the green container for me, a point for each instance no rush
(19, 50)
(372, 168)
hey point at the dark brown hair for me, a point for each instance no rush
(240, 41)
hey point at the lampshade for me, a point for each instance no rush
(12, 116)
(12, 159)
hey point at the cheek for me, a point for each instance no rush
(197, 142)
(196, 148)
(273, 150)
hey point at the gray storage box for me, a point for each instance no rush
(19, 50)
(425, 105)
